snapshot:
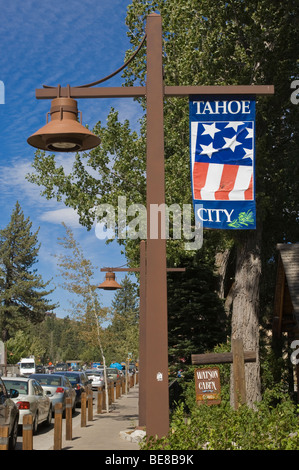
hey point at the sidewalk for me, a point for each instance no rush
(108, 431)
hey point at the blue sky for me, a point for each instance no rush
(52, 43)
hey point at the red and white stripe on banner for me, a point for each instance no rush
(214, 181)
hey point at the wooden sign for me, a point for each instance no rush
(237, 357)
(207, 386)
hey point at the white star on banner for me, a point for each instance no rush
(248, 153)
(210, 129)
(234, 125)
(208, 150)
(250, 134)
(231, 143)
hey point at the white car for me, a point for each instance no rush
(97, 378)
(31, 400)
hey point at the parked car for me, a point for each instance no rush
(97, 378)
(79, 381)
(112, 373)
(61, 366)
(9, 413)
(57, 387)
(131, 369)
(31, 400)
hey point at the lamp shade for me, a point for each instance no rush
(64, 133)
(110, 282)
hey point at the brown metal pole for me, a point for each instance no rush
(156, 343)
(142, 335)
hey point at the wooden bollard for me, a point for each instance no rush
(123, 385)
(117, 389)
(83, 409)
(110, 392)
(27, 432)
(100, 400)
(4, 437)
(58, 427)
(90, 405)
(104, 400)
(68, 419)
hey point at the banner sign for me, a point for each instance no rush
(222, 160)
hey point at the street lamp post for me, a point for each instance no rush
(156, 343)
(143, 367)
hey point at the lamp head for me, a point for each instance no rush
(110, 282)
(64, 133)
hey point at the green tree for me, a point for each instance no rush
(77, 272)
(197, 321)
(23, 298)
(124, 326)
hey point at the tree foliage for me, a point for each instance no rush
(123, 332)
(23, 294)
(77, 271)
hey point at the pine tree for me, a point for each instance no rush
(22, 291)
(124, 328)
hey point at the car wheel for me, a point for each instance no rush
(49, 417)
(14, 435)
(35, 424)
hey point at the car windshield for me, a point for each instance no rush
(73, 378)
(27, 365)
(95, 374)
(50, 380)
(20, 385)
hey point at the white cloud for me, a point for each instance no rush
(68, 215)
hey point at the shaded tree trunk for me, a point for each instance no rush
(245, 308)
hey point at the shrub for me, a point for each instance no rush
(219, 427)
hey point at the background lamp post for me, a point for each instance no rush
(156, 332)
(143, 403)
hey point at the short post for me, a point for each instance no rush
(238, 373)
(100, 400)
(4, 437)
(112, 392)
(104, 399)
(117, 394)
(58, 427)
(90, 405)
(27, 432)
(83, 409)
(68, 420)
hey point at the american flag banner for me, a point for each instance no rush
(222, 161)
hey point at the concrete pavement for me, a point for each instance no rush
(108, 431)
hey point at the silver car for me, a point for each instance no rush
(97, 378)
(112, 373)
(31, 400)
(9, 413)
(58, 388)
